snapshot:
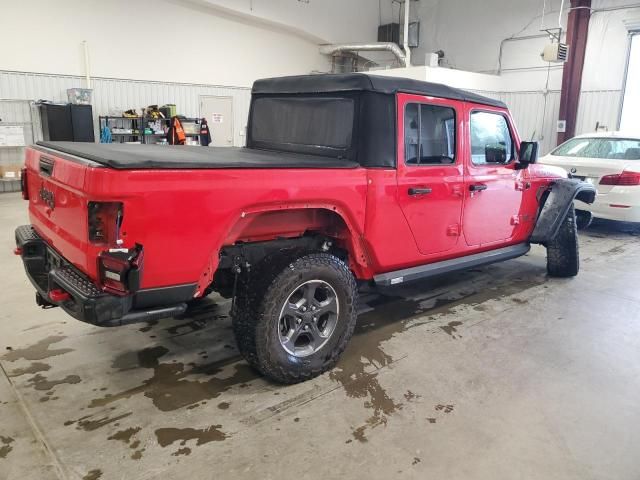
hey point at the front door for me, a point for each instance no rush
(219, 114)
(493, 185)
(430, 170)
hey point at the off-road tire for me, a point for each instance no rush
(563, 259)
(256, 314)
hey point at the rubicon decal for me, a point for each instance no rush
(47, 197)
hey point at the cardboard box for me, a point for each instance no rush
(11, 171)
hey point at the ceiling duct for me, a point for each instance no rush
(366, 47)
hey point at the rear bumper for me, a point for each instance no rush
(613, 206)
(48, 271)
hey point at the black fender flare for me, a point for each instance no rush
(561, 194)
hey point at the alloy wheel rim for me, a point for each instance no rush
(308, 318)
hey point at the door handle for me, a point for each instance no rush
(419, 191)
(477, 187)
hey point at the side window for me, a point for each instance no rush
(490, 139)
(429, 134)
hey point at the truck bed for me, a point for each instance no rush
(170, 157)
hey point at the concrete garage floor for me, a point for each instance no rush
(499, 372)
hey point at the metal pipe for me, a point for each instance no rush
(513, 39)
(87, 65)
(405, 43)
(366, 47)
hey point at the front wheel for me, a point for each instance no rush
(293, 319)
(563, 259)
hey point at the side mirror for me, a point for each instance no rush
(495, 153)
(528, 154)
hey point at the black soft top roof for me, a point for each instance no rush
(327, 83)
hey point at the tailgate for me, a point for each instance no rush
(57, 205)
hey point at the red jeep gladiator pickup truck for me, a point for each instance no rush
(344, 179)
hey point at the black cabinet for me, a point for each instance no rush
(72, 123)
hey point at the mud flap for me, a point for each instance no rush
(562, 193)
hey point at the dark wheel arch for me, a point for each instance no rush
(557, 204)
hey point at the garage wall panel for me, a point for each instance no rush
(598, 107)
(116, 95)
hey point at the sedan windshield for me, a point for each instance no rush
(607, 148)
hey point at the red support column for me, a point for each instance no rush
(577, 31)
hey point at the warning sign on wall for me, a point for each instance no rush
(217, 118)
(11, 136)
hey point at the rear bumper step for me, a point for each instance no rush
(50, 273)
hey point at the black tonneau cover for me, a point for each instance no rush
(134, 156)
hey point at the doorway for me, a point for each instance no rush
(629, 119)
(219, 114)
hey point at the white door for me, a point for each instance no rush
(219, 114)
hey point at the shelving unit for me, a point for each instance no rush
(137, 126)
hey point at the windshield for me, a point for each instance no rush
(607, 148)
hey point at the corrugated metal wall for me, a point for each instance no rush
(115, 94)
(600, 106)
(19, 113)
(528, 110)
(535, 120)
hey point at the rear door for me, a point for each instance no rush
(493, 186)
(430, 171)
(219, 114)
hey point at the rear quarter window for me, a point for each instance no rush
(304, 121)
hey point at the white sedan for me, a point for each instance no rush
(611, 161)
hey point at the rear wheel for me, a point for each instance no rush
(293, 319)
(563, 259)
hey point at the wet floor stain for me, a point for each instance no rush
(410, 396)
(168, 436)
(172, 385)
(416, 460)
(391, 314)
(35, 367)
(88, 423)
(137, 455)
(5, 446)
(182, 451)
(145, 358)
(190, 327)
(126, 435)
(223, 405)
(431, 420)
(444, 408)
(149, 325)
(40, 382)
(615, 250)
(93, 475)
(450, 329)
(38, 351)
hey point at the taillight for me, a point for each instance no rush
(623, 179)
(24, 187)
(121, 269)
(105, 220)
